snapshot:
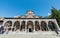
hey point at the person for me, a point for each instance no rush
(6, 30)
(1, 29)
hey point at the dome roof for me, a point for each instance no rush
(30, 12)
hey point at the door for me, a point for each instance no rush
(30, 30)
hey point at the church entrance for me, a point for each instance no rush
(30, 30)
(30, 26)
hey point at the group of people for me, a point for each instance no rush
(7, 30)
(4, 29)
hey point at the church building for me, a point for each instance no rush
(29, 23)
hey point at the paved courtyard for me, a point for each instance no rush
(31, 35)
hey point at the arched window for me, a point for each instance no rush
(37, 27)
(16, 25)
(8, 24)
(30, 26)
(23, 26)
(43, 26)
(52, 25)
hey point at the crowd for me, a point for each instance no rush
(7, 29)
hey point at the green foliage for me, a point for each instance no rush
(55, 14)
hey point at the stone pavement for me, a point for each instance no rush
(31, 35)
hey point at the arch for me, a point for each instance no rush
(37, 27)
(43, 26)
(23, 26)
(8, 24)
(16, 25)
(30, 26)
(52, 25)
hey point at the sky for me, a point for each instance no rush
(10, 8)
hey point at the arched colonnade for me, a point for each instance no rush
(31, 25)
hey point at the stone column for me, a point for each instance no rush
(12, 25)
(47, 26)
(26, 26)
(20, 25)
(34, 25)
(40, 25)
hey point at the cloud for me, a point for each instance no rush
(49, 13)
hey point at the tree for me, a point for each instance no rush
(55, 14)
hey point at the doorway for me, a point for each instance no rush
(30, 30)
(30, 26)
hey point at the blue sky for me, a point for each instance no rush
(10, 8)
